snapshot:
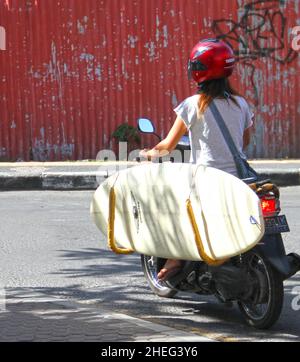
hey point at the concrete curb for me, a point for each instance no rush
(53, 181)
(92, 179)
(73, 180)
(14, 182)
(287, 177)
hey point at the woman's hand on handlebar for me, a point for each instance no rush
(153, 153)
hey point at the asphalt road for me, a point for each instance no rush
(48, 243)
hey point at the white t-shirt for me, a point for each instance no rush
(208, 146)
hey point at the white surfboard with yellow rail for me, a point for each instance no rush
(180, 211)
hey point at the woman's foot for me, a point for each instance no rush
(171, 268)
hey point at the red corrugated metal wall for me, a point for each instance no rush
(76, 69)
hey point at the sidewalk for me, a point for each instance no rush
(36, 316)
(87, 175)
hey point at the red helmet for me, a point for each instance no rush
(211, 59)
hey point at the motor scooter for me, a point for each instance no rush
(254, 280)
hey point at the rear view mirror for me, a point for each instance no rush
(145, 125)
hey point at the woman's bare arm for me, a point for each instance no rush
(168, 144)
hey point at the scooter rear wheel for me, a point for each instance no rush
(151, 266)
(264, 308)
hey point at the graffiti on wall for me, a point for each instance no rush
(296, 39)
(260, 33)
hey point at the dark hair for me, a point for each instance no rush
(216, 88)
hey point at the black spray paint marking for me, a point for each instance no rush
(296, 40)
(259, 34)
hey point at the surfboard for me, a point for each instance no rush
(180, 211)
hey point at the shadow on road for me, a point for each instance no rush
(40, 318)
(123, 288)
(108, 263)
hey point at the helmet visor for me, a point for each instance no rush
(195, 66)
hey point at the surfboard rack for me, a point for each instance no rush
(207, 259)
(111, 226)
(111, 235)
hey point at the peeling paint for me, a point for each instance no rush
(93, 69)
(151, 50)
(51, 70)
(165, 34)
(41, 150)
(87, 57)
(82, 25)
(27, 118)
(42, 132)
(124, 72)
(13, 125)
(132, 40)
(265, 109)
(98, 72)
(3, 152)
(174, 100)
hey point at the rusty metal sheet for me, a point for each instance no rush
(74, 70)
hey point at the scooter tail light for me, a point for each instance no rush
(270, 206)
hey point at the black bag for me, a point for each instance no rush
(244, 170)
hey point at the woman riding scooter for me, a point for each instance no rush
(210, 64)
